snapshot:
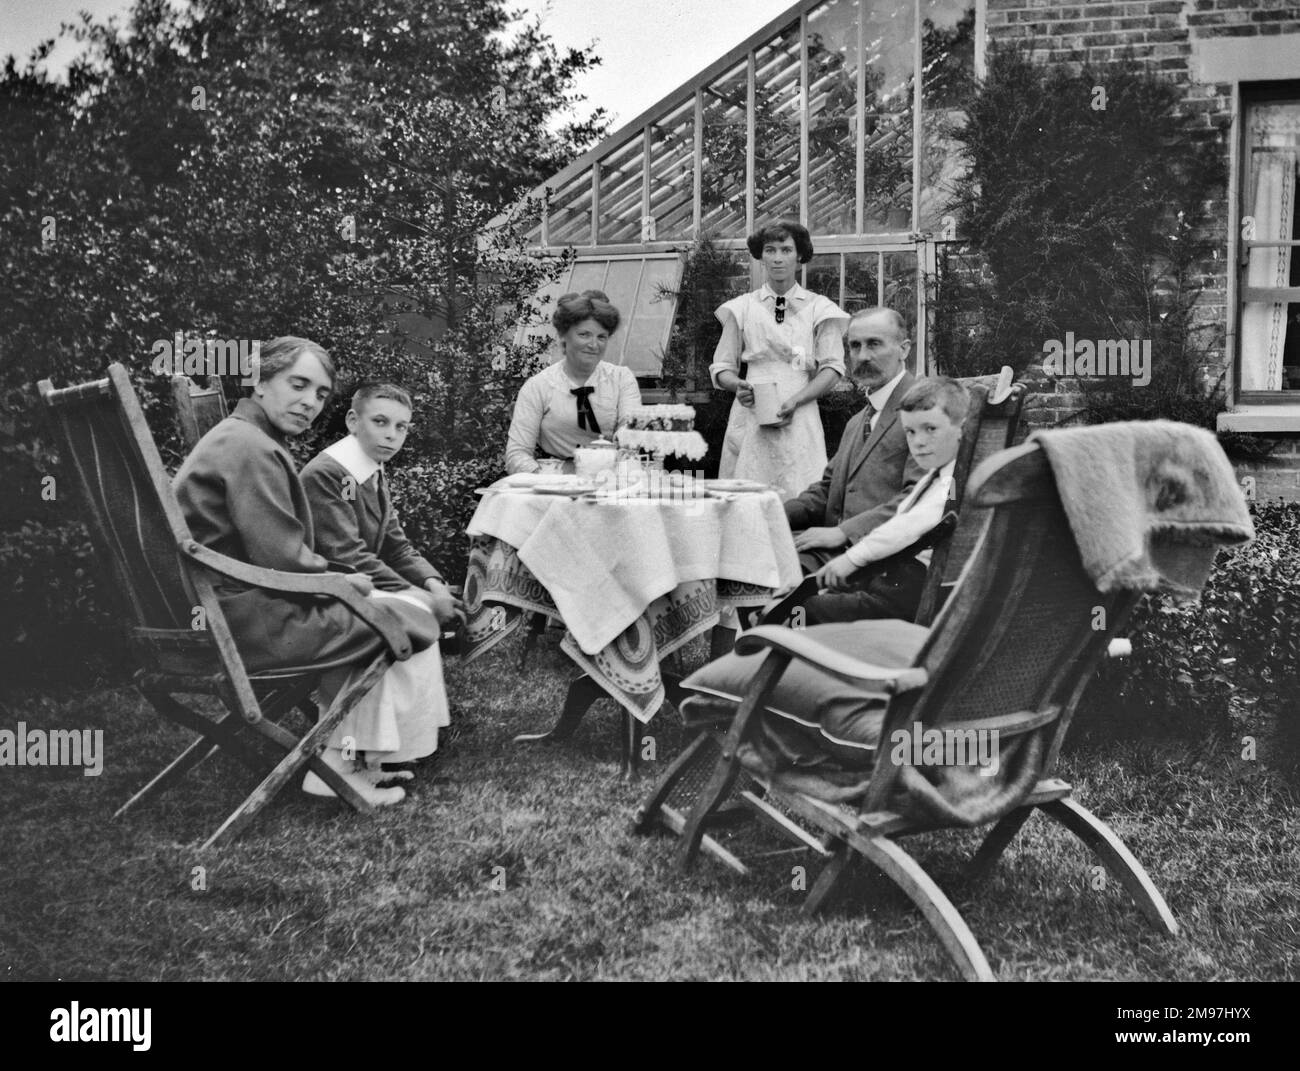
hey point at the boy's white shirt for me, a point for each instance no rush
(917, 514)
(348, 453)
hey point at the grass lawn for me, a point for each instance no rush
(311, 891)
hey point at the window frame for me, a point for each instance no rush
(1245, 96)
(563, 285)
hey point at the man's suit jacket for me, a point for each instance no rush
(866, 479)
(356, 528)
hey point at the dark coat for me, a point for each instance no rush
(242, 497)
(358, 531)
(866, 479)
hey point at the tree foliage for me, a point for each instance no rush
(241, 169)
(1088, 214)
(249, 168)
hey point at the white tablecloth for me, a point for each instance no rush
(605, 561)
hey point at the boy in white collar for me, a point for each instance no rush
(356, 528)
(869, 580)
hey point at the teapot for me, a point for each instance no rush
(597, 456)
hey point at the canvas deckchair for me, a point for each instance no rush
(1012, 650)
(199, 409)
(163, 580)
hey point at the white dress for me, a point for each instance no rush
(399, 718)
(788, 354)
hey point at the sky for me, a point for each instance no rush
(647, 47)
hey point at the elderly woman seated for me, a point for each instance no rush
(578, 398)
(240, 492)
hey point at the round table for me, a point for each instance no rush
(632, 579)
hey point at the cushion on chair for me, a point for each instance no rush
(807, 695)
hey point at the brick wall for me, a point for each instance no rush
(1159, 35)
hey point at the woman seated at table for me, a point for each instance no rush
(241, 496)
(579, 397)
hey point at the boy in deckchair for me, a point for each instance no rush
(357, 529)
(870, 579)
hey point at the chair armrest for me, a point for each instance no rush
(936, 535)
(796, 644)
(335, 585)
(1022, 721)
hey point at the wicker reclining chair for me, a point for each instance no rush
(1012, 651)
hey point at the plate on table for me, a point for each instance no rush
(572, 486)
(736, 486)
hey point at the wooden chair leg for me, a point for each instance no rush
(536, 626)
(299, 755)
(828, 881)
(201, 749)
(721, 641)
(630, 760)
(1118, 859)
(583, 691)
(727, 767)
(648, 813)
(939, 911)
(1001, 835)
(286, 740)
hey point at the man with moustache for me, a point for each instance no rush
(872, 471)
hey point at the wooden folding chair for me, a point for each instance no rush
(1012, 650)
(199, 409)
(177, 630)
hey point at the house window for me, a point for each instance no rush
(642, 288)
(1269, 281)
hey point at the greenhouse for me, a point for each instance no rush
(820, 117)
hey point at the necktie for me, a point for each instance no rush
(586, 415)
(870, 410)
(780, 309)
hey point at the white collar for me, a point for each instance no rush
(795, 293)
(879, 397)
(348, 453)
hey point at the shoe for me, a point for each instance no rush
(377, 776)
(312, 785)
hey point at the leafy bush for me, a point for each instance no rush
(1217, 665)
(435, 501)
(57, 618)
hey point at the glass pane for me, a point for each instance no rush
(621, 176)
(1270, 330)
(948, 55)
(832, 117)
(777, 109)
(900, 288)
(651, 317)
(588, 275)
(570, 219)
(824, 275)
(672, 173)
(887, 104)
(860, 281)
(722, 189)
